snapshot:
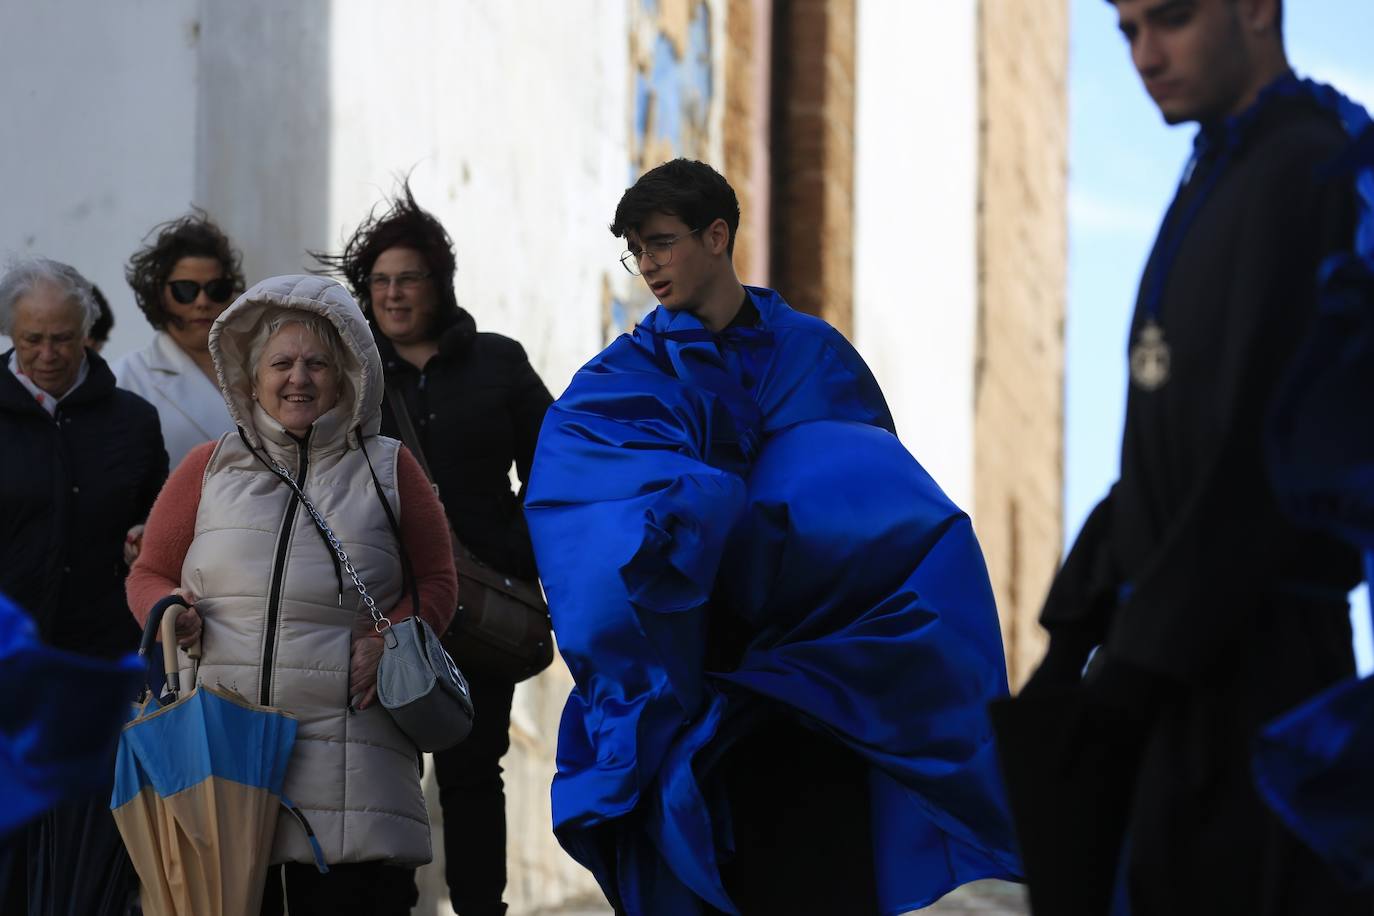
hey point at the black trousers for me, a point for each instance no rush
(71, 861)
(473, 798)
(357, 889)
(799, 804)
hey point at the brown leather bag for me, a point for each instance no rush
(501, 626)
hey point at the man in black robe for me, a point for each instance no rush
(1189, 611)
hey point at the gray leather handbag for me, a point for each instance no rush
(422, 688)
(417, 682)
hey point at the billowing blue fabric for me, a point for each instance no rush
(59, 721)
(758, 468)
(1315, 767)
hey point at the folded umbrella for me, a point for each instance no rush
(198, 792)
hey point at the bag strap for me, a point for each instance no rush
(407, 572)
(406, 427)
(380, 621)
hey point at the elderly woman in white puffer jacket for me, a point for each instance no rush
(278, 622)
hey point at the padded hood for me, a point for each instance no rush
(360, 375)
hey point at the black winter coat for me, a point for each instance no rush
(71, 486)
(477, 407)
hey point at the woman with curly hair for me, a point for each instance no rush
(182, 280)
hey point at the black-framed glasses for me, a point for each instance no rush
(186, 291)
(406, 279)
(660, 251)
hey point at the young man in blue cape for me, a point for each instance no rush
(1190, 610)
(781, 630)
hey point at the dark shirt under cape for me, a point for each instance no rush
(684, 474)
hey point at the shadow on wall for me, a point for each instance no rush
(263, 129)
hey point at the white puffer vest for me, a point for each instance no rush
(276, 630)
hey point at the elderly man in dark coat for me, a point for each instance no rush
(81, 465)
(83, 462)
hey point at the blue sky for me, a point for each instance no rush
(1123, 165)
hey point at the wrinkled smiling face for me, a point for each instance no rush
(47, 338)
(1190, 54)
(296, 379)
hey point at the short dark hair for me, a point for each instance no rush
(100, 331)
(690, 190)
(404, 224)
(194, 235)
(1278, 15)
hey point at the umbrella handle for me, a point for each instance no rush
(158, 619)
(169, 651)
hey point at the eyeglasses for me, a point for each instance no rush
(406, 279)
(660, 251)
(186, 291)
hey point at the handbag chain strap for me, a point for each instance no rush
(380, 622)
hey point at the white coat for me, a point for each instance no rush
(189, 405)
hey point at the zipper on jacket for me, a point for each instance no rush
(278, 573)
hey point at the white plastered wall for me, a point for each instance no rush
(915, 229)
(98, 135)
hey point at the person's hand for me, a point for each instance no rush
(133, 544)
(188, 621)
(362, 673)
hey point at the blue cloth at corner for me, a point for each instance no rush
(757, 470)
(1315, 766)
(59, 722)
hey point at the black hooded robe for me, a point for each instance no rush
(1213, 612)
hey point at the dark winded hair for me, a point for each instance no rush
(405, 224)
(692, 191)
(194, 235)
(100, 331)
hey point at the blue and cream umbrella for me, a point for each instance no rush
(198, 790)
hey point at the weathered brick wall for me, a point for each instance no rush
(813, 157)
(1023, 255)
(745, 129)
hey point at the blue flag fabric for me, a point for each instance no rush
(1314, 766)
(758, 469)
(60, 723)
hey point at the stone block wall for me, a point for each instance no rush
(1022, 268)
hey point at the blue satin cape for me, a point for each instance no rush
(1315, 766)
(759, 468)
(59, 722)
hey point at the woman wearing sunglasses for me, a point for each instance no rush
(182, 280)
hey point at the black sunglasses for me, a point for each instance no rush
(186, 291)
